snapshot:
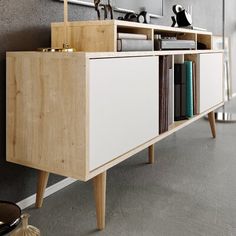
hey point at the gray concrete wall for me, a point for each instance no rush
(208, 14)
(25, 25)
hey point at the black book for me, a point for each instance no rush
(177, 96)
(183, 111)
(168, 97)
(180, 92)
(161, 93)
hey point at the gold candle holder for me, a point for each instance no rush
(66, 47)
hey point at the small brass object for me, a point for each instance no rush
(56, 50)
(26, 229)
(66, 47)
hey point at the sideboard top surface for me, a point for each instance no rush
(119, 23)
(91, 55)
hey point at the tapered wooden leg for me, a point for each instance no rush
(100, 199)
(211, 118)
(151, 156)
(42, 183)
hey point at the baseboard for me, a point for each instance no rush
(49, 191)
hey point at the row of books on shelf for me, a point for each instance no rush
(141, 42)
(178, 89)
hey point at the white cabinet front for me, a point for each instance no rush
(211, 80)
(123, 106)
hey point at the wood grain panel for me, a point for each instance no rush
(205, 39)
(46, 112)
(89, 38)
(101, 36)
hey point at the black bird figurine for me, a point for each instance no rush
(106, 7)
(97, 3)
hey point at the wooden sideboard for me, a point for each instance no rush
(101, 36)
(79, 114)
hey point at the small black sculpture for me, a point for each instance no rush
(182, 18)
(106, 7)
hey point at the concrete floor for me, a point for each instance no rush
(190, 191)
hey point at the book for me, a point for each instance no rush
(162, 71)
(183, 102)
(195, 110)
(177, 97)
(168, 96)
(131, 36)
(171, 96)
(125, 45)
(165, 94)
(179, 59)
(189, 88)
(180, 91)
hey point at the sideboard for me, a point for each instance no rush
(79, 114)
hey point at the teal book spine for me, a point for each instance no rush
(189, 88)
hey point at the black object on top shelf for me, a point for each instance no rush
(182, 17)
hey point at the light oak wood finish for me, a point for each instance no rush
(101, 36)
(212, 121)
(119, 23)
(99, 183)
(42, 184)
(205, 39)
(50, 96)
(151, 154)
(46, 112)
(86, 38)
(188, 54)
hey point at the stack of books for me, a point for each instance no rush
(185, 90)
(166, 91)
(133, 42)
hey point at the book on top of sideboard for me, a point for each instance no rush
(131, 36)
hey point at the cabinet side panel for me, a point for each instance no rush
(89, 38)
(10, 108)
(46, 113)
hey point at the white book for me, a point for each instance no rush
(131, 36)
(179, 59)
